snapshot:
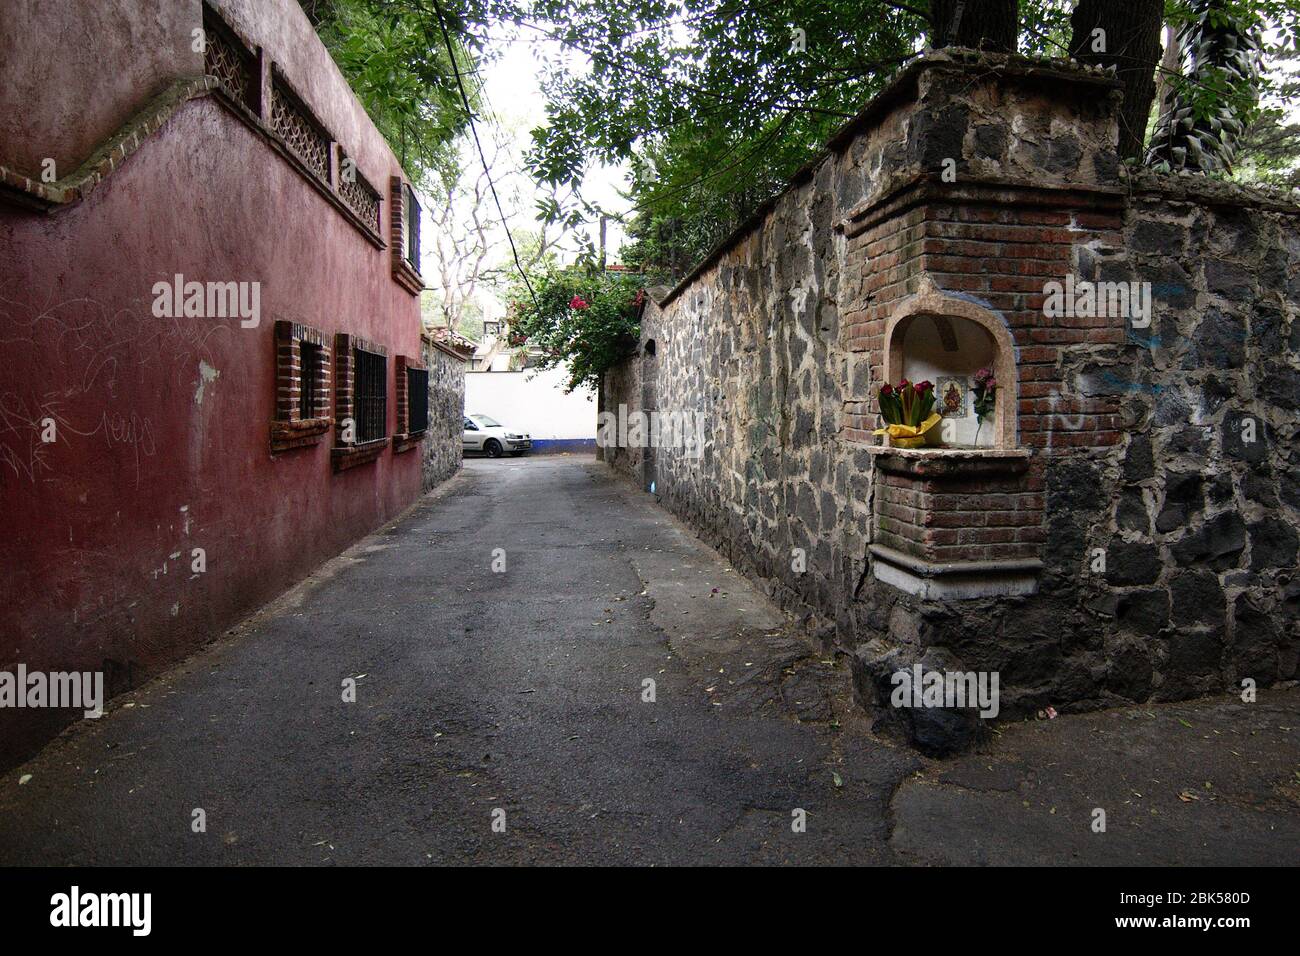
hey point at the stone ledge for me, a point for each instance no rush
(407, 440)
(1186, 187)
(955, 463)
(953, 580)
(289, 435)
(903, 86)
(407, 277)
(349, 456)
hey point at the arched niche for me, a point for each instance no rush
(942, 338)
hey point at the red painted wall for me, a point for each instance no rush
(163, 424)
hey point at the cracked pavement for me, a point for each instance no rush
(522, 691)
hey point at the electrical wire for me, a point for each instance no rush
(473, 128)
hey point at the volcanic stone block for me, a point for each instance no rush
(1197, 598)
(1145, 611)
(1218, 543)
(1134, 563)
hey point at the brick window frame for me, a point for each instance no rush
(290, 429)
(406, 437)
(348, 454)
(404, 273)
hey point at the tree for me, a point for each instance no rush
(1124, 34)
(467, 232)
(405, 81)
(468, 254)
(585, 319)
(715, 104)
(979, 24)
(1205, 116)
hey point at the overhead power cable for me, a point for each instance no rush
(473, 128)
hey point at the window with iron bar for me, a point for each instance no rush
(417, 399)
(309, 382)
(370, 390)
(411, 210)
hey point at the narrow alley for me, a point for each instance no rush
(522, 690)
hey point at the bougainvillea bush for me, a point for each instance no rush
(585, 318)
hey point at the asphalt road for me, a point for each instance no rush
(515, 697)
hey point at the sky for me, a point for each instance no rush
(514, 106)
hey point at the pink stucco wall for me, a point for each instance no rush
(163, 424)
(75, 70)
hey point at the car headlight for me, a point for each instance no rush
(514, 436)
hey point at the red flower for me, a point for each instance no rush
(578, 302)
(886, 390)
(903, 384)
(923, 386)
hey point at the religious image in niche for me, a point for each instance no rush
(952, 398)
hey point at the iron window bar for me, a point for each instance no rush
(411, 207)
(417, 399)
(309, 380)
(371, 396)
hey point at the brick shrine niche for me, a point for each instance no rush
(963, 520)
(945, 339)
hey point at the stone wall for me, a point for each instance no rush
(442, 448)
(622, 384)
(1123, 545)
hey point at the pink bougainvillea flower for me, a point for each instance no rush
(578, 302)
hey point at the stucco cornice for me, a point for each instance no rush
(22, 190)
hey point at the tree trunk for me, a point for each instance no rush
(979, 24)
(1170, 66)
(1131, 42)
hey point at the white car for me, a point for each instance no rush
(492, 438)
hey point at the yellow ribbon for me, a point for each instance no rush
(910, 431)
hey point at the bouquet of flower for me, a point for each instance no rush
(908, 411)
(986, 387)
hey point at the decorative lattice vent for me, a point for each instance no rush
(226, 58)
(361, 197)
(294, 124)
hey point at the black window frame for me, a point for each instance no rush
(311, 365)
(411, 227)
(417, 400)
(369, 395)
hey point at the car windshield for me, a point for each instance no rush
(484, 420)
